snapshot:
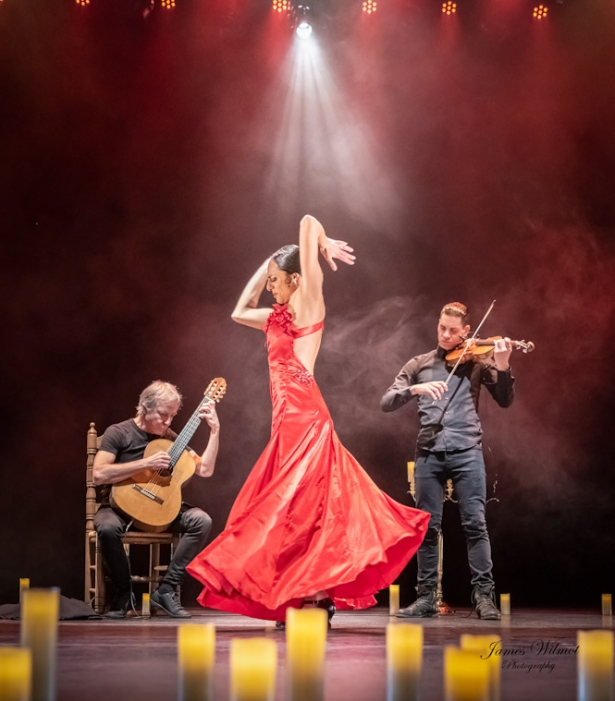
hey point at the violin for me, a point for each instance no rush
(479, 348)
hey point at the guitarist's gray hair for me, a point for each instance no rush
(157, 391)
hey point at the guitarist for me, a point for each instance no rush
(121, 455)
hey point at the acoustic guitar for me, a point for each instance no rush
(152, 498)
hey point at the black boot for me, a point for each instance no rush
(122, 603)
(483, 598)
(425, 606)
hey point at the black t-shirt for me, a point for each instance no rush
(127, 442)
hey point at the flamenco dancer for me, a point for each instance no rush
(309, 527)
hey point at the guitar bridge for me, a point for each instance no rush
(147, 493)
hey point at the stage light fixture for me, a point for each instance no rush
(281, 5)
(540, 12)
(83, 3)
(304, 30)
(370, 6)
(167, 4)
(449, 8)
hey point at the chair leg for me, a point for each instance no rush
(154, 564)
(99, 580)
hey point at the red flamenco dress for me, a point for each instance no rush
(308, 517)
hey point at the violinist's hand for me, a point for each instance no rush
(330, 249)
(501, 353)
(434, 389)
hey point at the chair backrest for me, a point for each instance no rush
(91, 505)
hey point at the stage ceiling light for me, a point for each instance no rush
(83, 3)
(449, 8)
(370, 6)
(304, 30)
(540, 12)
(281, 5)
(167, 4)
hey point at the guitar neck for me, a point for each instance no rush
(181, 442)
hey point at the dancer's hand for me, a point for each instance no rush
(331, 249)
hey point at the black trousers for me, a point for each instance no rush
(192, 522)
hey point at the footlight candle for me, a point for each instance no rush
(39, 633)
(24, 583)
(15, 674)
(466, 677)
(253, 669)
(196, 645)
(607, 605)
(393, 599)
(595, 665)
(486, 648)
(505, 604)
(306, 638)
(404, 661)
(146, 610)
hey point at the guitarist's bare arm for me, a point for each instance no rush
(246, 310)
(206, 464)
(106, 471)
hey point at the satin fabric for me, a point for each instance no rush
(308, 517)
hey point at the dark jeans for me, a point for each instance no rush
(194, 523)
(466, 469)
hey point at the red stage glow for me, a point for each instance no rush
(540, 12)
(449, 8)
(370, 6)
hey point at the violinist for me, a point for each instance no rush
(449, 447)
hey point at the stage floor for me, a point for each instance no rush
(105, 660)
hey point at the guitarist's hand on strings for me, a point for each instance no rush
(158, 461)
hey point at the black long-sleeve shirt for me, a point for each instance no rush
(451, 423)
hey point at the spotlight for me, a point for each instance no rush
(83, 3)
(370, 6)
(304, 30)
(167, 4)
(281, 5)
(540, 12)
(449, 8)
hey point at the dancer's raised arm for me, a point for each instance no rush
(246, 310)
(312, 240)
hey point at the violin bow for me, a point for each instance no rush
(468, 341)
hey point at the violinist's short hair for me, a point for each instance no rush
(157, 391)
(457, 309)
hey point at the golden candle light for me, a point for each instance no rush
(607, 605)
(404, 661)
(306, 638)
(24, 583)
(486, 647)
(196, 645)
(410, 472)
(253, 668)
(505, 604)
(466, 676)
(393, 599)
(595, 665)
(15, 674)
(39, 633)
(146, 610)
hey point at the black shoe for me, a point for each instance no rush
(169, 603)
(280, 625)
(328, 605)
(484, 602)
(425, 606)
(121, 605)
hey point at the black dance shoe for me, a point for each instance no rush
(328, 605)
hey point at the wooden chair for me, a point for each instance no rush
(94, 570)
